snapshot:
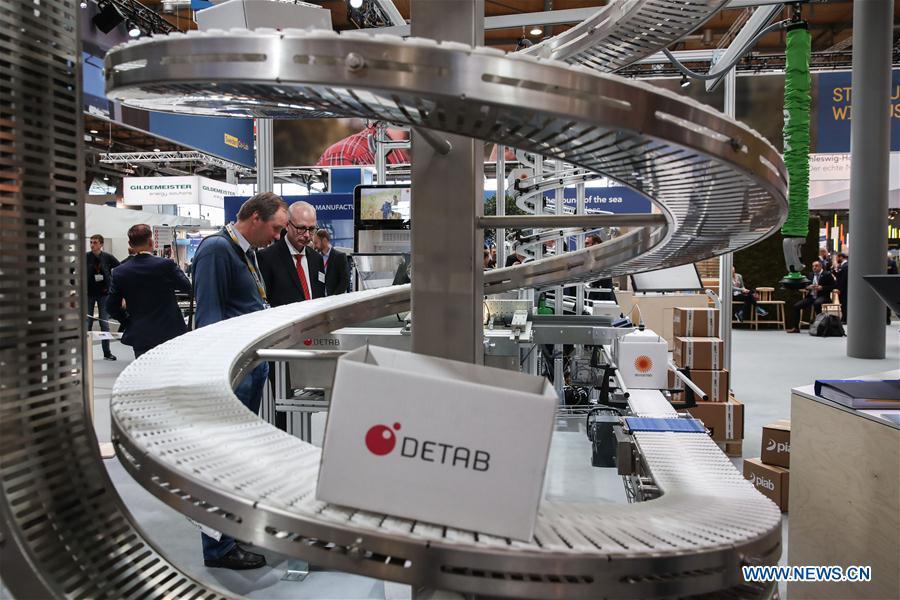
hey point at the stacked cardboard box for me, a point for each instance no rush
(770, 473)
(698, 349)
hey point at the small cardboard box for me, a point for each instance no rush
(436, 440)
(698, 353)
(772, 481)
(695, 322)
(714, 383)
(725, 420)
(642, 358)
(776, 444)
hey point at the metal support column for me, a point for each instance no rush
(726, 261)
(500, 233)
(869, 179)
(265, 156)
(447, 270)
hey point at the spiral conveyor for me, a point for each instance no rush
(718, 186)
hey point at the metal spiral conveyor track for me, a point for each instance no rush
(718, 186)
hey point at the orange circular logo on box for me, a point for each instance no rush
(643, 364)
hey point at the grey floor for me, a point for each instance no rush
(765, 366)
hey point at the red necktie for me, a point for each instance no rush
(302, 275)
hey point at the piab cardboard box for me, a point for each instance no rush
(725, 420)
(714, 383)
(695, 322)
(438, 441)
(698, 353)
(772, 481)
(776, 444)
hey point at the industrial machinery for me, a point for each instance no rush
(186, 438)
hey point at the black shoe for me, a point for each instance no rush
(109, 357)
(237, 560)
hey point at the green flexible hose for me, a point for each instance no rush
(796, 130)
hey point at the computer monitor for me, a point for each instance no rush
(684, 278)
(381, 242)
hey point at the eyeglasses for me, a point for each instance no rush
(309, 230)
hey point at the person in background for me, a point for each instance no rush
(337, 268)
(359, 149)
(291, 269)
(590, 240)
(147, 285)
(840, 270)
(227, 283)
(745, 296)
(825, 258)
(818, 293)
(487, 261)
(98, 267)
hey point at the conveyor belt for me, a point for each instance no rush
(625, 31)
(720, 185)
(184, 436)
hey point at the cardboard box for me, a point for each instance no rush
(695, 322)
(643, 359)
(714, 383)
(698, 353)
(725, 420)
(437, 440)
(776, 444)
(732, 448)
(773, 482)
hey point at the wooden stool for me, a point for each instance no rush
(765, 299)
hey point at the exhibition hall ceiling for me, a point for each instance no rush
(831, 22)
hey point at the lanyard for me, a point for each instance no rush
(260, 285)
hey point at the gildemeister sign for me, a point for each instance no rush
(188, 190)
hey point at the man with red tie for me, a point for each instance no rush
(291, 269)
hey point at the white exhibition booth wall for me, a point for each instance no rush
(113, 224)
(829, 181)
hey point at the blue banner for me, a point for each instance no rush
(616, 199)
(231, 139)
(833, 112)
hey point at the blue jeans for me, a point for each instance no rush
(249, 391)
(100, 301)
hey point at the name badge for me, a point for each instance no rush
(98, 276)
(321, 277)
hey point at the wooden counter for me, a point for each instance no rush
(844, 495)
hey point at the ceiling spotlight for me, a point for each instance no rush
(133, 30)
(536, 31)
(83, 4)
(106, 178)
(685, 81)
(94, 131)
(156, 149)
(356, 3)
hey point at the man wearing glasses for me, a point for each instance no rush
(292, 270)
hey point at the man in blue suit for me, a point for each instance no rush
(147, 284)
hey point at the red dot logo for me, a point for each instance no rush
(380, 440)
(307, 342)
(643, 364)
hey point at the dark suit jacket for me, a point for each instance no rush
(841, 279)
(337, 273)
(826, 280)
(147, 284)
(282, 282)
